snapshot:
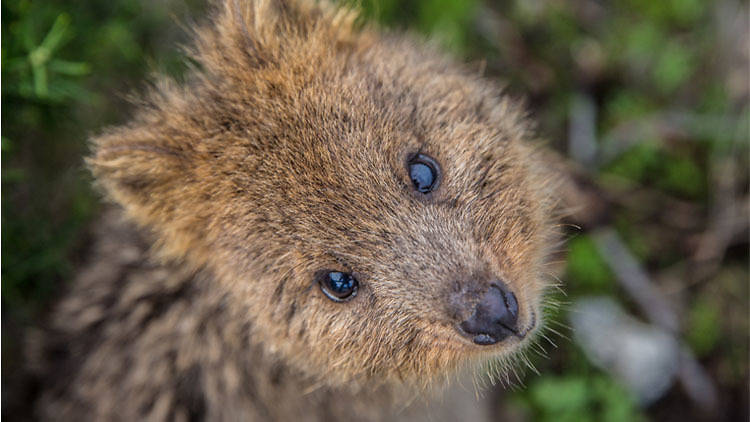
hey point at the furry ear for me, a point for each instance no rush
(256, 33)
(152, 168)
(137, 169)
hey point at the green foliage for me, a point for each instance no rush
(670, 12)
(562, 398)
(448, 21)
(65, 68)
(578, 398)
(638, 163)
(683, 176)
(673, 67)
(586, 270)
(636, 241)
(39, 73)
(674, 172)
(704, 326)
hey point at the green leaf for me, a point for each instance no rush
(586, 268)
(682, 175)
(56, 35)
(638, 163)
(69, 68)
(40, 80)
(616, 403)
(704, 326)
(643, 41)
(447, 20)
(673, 67)
(560, 395)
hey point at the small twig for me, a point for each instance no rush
(698, 385)
(652, 302)
(723, 216)
(635, 280)
(582, 145)
(665, 125)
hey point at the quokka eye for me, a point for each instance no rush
(338, 286)
(424, 173)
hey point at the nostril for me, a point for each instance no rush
(511, 304)
(495, 317)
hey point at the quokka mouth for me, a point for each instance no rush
(489, 339)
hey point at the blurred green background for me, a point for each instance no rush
(647, 100)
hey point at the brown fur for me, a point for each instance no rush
(284, 154)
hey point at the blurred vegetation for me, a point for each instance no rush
(66, 70)
(646, 97)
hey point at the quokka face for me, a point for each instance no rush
(370, 207)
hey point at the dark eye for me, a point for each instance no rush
(423, 172)
(338, 286)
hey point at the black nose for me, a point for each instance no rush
(495, 316)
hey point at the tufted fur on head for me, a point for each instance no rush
(285, 153)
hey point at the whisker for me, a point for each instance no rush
(548, 340)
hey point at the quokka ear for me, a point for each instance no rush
(135, 166)
(152, 168)
(257, 33)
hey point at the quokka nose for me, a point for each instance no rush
(495, 316)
